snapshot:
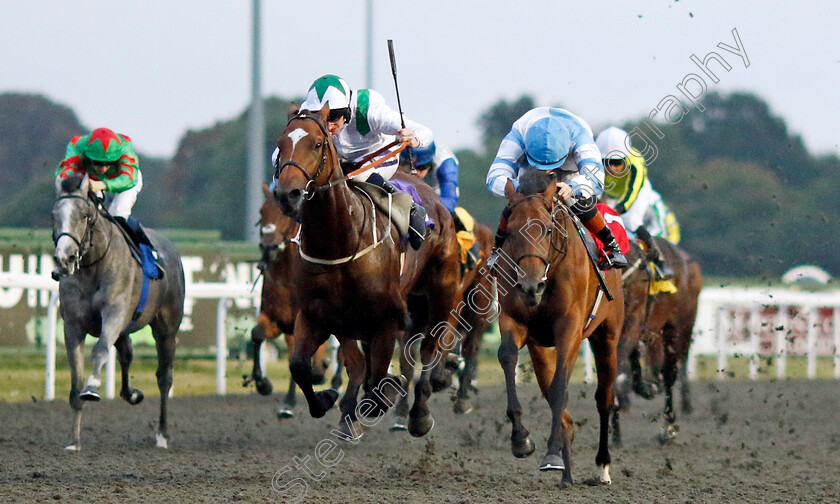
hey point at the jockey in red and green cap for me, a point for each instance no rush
(109, 161)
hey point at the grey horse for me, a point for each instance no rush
(100, 286)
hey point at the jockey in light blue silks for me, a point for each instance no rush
(360, 123)
(554, 139)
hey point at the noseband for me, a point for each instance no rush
(86, 240)
(550, 205)
(310, 179)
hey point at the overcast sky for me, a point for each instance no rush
(154, 68)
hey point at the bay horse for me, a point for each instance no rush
(664, 322)
(473, 322)
(100, 288)
(551, 300)
(280, 263)
(358, 274)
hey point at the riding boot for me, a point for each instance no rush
(416, 217)
(654, 254)
(613, 256)
(416, 226)
(141, 239)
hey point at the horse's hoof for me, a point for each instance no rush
(398, 427)
(264, 386)
(161, 441)
(348, 432)
(419, 427)
(462, 406)
(73, 448)
(667, 434)
(605, 475)
(324, 402)
(284, 412)
(90, 393)
(552, 462)
(135, 397)
(522, 449)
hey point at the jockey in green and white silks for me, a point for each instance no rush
(554, 139)
(360, 123)
(628, 190)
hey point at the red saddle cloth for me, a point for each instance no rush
(613, 220)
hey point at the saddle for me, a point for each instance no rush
(142, 252)
(396, 206)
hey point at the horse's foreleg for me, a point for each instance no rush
(165, 345)
(384, 387)
(467, 374)
(300, 365)
(520, 440)
(112, 325)
(603, 344)
(354, 361)
(319, 368)
(258, 336)
(74, 344)
(669, 377)
(685, 389)
(408, 359)
(558, 455)
(125, 353)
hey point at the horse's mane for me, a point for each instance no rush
(534, 181)
(72, 182)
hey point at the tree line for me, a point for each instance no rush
(751, 200)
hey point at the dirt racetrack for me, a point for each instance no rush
(745, 442)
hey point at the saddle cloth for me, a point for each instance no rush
(141, 252)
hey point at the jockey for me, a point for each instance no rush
(361, 123)
(629, 191)
(438, 167)
(544, 138)
(109, 161)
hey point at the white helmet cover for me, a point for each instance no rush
(329, 89)
(614, 143)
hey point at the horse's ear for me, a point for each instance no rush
(59, 183)
(551, 190)
(84, 186)
(510, 191)
(266, 191)
(293, 110)
(324, 112)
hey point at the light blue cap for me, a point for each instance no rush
(547, 143)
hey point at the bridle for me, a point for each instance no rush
(86, 242)
(311, 180)
(559, 252)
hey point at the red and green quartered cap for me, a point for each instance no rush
(102, 145)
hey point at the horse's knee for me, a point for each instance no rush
(75, 402)
(508, 354)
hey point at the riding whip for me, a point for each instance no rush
(399, 105)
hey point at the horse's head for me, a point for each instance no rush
(73, 214)
(275, 229)
(530, 229)
(306, 159)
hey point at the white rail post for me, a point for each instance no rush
(588, 376)
(837, 342)
(782, 329)
(721, 327)
(52, 324)
(754, 326)
(221, 346)
(813, 321)
(110, 372)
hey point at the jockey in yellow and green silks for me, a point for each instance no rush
(628, 190)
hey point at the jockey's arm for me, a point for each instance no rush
(447, 175)
(505, 166)
(590, 178)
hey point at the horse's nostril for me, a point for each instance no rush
(540, 288)
(295, 195)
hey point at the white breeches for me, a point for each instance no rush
(123, 202)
